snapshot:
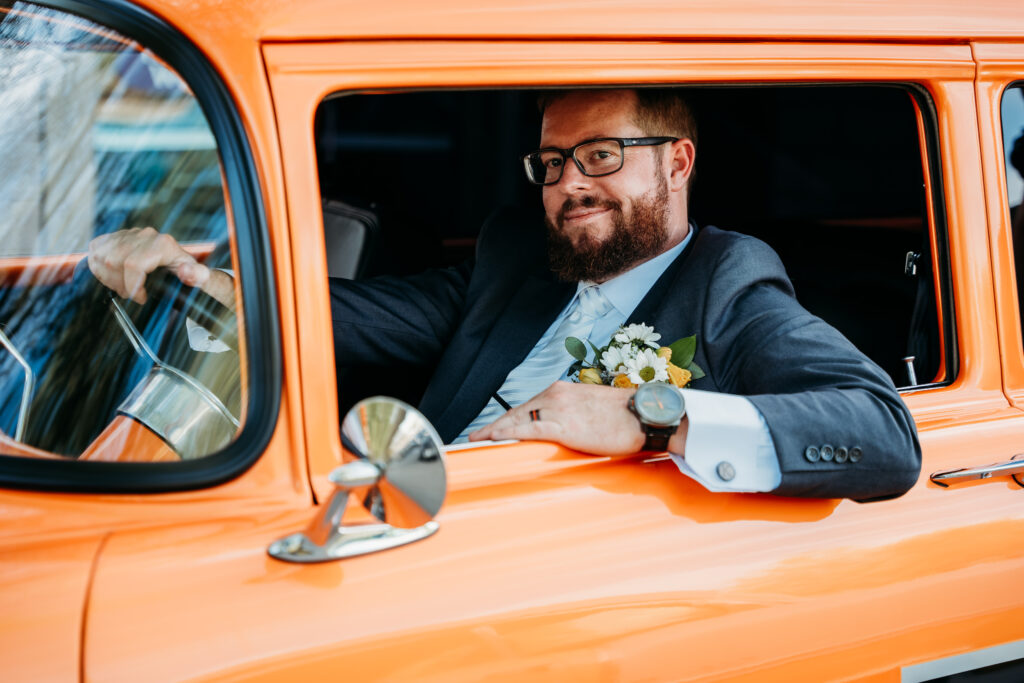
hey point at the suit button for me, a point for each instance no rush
(827, 453)
(812, 454)
(855, 454)
(726, 471)
(842, 454)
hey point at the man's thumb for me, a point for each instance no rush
(193, 273)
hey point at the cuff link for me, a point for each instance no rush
(725, 470)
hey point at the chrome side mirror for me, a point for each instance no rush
(398, 475)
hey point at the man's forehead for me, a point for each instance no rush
(589, 114)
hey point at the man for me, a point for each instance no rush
(788, 405)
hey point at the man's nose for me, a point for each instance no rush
(572, 179)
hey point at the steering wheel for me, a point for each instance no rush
(200, 307)
(172, 403)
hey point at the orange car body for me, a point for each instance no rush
(551, 564)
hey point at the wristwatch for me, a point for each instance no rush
(660, 408)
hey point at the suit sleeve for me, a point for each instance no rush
(839, 426)
(404, 320)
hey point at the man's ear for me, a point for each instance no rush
(681, 157)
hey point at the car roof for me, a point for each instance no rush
(874, 20)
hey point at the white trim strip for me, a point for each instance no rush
(969, 661)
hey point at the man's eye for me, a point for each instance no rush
(601, 156)
(554, 162)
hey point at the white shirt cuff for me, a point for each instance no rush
(199, 339)
(728, 444)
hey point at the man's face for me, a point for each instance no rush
(599, 227)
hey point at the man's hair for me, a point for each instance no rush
(659, 111)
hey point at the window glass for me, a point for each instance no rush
(97, 135)
(1013, 148)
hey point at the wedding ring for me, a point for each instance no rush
(534, 414)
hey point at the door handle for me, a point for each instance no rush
(1013, 467)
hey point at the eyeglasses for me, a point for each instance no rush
(597, 157)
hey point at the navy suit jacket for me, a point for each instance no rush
(477, 322)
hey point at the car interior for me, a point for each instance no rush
(830, 176)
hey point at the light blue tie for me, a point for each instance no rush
(547, 362)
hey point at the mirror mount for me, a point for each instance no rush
(399, 475)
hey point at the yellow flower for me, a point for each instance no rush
(622, 382)
(665, 352)
(680, 377)
(590, 376)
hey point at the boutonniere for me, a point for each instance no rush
(633, 357)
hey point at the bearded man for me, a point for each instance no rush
(787, 404)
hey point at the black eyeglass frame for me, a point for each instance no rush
(570, 153)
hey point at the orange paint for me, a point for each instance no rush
(550, 564)
(125, 440)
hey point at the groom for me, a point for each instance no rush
(788, 405)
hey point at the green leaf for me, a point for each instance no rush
(597, 352)
(695, 370)
(575, 348)
(683, 350)
(574, 368)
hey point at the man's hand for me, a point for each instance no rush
(122, 260)
(586, 417)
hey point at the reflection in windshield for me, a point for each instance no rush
(96, 135)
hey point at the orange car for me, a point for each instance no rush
(172, 469)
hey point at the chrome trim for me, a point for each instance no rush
(398, 474)
(356, 540)
(969, 661)
(1012, 467)
(27, 390)
(911, 375)
(128, 327)
(173, 404)
(188, 417)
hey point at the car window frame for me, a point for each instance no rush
(934, 213)
(244, 202)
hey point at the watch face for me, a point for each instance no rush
(659, 404)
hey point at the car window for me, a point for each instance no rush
(1013, 148)
(832, 177)
(98, 135)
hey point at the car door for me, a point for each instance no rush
(552, 564)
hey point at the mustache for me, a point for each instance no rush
(585, 202)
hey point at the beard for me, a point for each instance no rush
(637, 237)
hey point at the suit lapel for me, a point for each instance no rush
(660, 307)
(516, 330)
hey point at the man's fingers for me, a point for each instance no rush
(192, 273)
(518, 416)
(104, 275)
(123, 260)
(541, 430)
(134, 279)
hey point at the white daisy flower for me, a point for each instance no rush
(647, 366)
(613, 360)
(644, 334)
